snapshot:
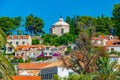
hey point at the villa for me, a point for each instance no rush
(16, 40)
(112, 43)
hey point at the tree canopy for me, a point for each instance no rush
(8, 24)
(34, 24)
(116, 18)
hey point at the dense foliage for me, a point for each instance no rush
(50, 39)
(35, 42)
(116, 19)
(8, 24)
(34, 24)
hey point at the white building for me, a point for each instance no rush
(28, 51)
(112, 43)
(50, 70)
(60, 27)
(51, 50)
(16, 40)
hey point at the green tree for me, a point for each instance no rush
(116, 18)
(104, 25)
(107, 70)
(49, 39)
(35, 41)
(17, 21)
(8, 24)
(34, 24)
(56, 77)
(19, 32)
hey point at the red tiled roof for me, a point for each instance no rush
(25, 47)
(18, 36)
(14, 37)
(26, 77)
(102, 37)
(53, 64)
(109, 43)
(94, 38)
(32, 65)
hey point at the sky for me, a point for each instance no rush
(51, 10)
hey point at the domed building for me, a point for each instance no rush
(60, 27)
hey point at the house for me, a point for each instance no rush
(52, 50)
(26, 78)
(101, 40)
(16, 40)
(56, 67)
(30, 69)
(112, 43)
(28, 51)
(60, 27)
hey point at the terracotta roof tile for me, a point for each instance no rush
(101, 37)
(32, 65)
(26, 36)
(109, 43)
(25, 47)
(14, 37)
(18, 36)
(26, 77)
(53, 64)
(94, 38)
(8, 37)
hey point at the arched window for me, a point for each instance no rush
(62, 31)
(9, 49)
(22, 54)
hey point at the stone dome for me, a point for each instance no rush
(61, 22)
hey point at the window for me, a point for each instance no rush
(17, 54)
(50, 53)
(70, 73)
(20, 49)
(9, 49)
(10, 37)
(10, 42)
(62, 31)
(45, 53)
(33, 54)
(22, 54)
(112, 49)
(47, 48)
(17, 43)
(50, 76)
(16, 37)
(23, 42)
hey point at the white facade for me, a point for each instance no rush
(113, 48)
(50, 50)
(16, 40)
(48, 73)
(28, 51)
(60, 27)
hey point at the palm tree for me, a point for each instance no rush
(6, 68)
(107, 70)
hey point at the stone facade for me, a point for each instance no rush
(60, 27)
